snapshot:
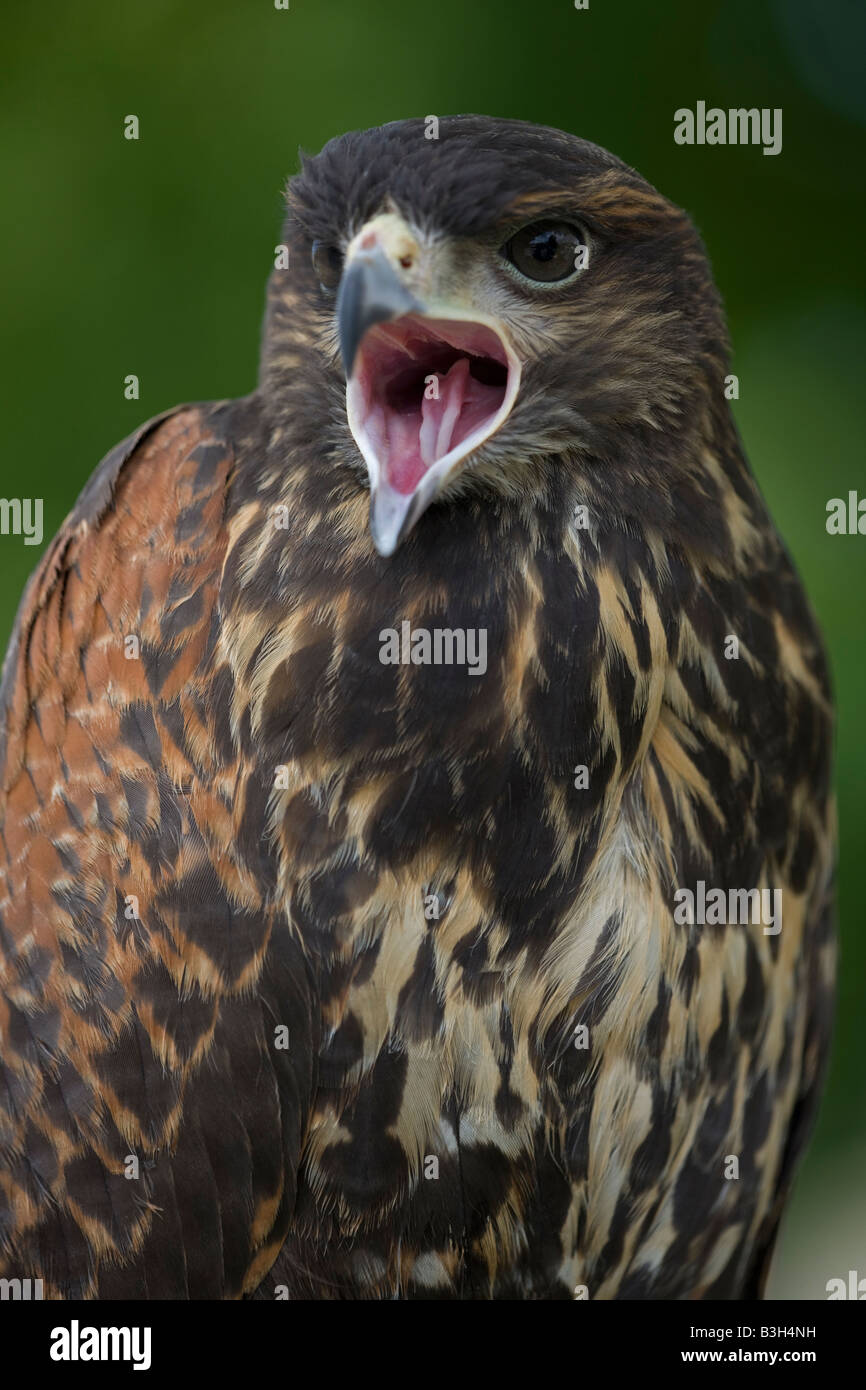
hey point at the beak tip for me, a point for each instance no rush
(384, 549)
(392, 516)
(385, 539)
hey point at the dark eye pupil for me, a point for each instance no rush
(544, 247)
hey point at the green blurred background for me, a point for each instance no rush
(150, 257)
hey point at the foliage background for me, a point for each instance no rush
(151, 257)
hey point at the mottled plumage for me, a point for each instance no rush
(282, 808)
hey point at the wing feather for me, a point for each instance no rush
(150, 1131)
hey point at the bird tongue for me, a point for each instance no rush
(439, 416)
(456, 405)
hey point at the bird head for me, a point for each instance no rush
(430, 366)
(497, 304)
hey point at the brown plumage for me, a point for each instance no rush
(335, 978)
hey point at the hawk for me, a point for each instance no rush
(339, 965)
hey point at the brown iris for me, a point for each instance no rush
(545, 250)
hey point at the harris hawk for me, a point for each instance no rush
(331, 969)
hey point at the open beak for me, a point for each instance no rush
(424, 389)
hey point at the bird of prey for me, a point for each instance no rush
(364, 740)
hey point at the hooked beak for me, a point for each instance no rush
(424, 388)
(369, 293)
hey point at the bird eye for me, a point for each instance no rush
(328, 264)
(547, 251)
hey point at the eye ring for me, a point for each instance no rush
(548, 252)
(328, 265)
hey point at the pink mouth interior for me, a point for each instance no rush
(411, 424)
